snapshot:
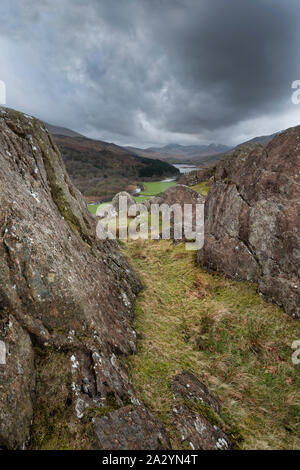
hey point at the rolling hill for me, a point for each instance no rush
(102, 169)
(175, 153)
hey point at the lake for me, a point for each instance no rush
(184, 168)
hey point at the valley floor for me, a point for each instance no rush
(152, 188)
(224, 333)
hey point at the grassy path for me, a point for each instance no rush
(224, 333)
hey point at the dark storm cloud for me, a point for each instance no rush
(153, 71)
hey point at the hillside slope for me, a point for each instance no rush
(102, 169)
(62, 131)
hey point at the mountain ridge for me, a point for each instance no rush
(203, 154)
(177, 148)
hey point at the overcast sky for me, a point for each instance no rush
(152, 72)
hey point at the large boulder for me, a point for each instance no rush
(252, 223)
(65, 303)
(197, 176)
(179, 194)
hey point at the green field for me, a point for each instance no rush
(93, 207)
(150, 189)
(140, 198)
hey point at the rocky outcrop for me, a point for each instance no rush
(252, 223)
(197, 176)
(195, 414)
(65, 307)
(178, 194)
(188, 386)
(118, 431)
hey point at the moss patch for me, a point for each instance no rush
(59, 196)
(54, 425)
(202, 188)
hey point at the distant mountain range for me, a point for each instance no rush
(202, 155)
(171, 153)
(184, 149)
(101, 169)
(175, 153)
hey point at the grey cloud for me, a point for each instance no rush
(153, 71)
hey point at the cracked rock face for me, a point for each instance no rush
(192, 399)
(198, 432)
(65, 301)
(131, 428)
(188, 386)
(252, 219)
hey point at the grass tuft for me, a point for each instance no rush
(202, 188)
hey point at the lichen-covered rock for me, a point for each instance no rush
(17, 385)
(198, 432)
(252, 219)
(197, 176)
(65, 300)
(195, 414)
(132, 428)
(179, 194)
(186, 385)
